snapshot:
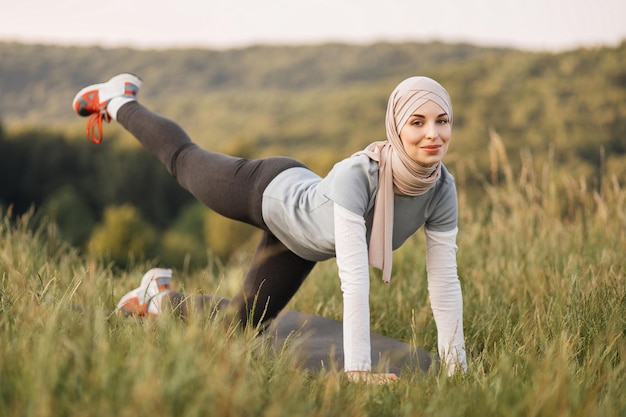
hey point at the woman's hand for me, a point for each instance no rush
(371, 378)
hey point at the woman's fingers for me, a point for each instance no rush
(371, 378)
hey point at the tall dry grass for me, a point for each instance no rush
(541, 260)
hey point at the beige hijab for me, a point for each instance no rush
(398, 173)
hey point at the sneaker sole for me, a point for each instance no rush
(129, 305)
(125, 77)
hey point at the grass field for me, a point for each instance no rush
(543, 270)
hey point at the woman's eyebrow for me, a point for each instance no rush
(423, 117)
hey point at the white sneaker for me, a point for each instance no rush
(93, 101)
(145, 300)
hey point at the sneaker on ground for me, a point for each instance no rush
(145, 300)
(93, 100)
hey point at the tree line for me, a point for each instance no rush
(296, 99)
(108, 201)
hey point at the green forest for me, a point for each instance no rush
(512, 108)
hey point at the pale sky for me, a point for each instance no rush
(528, 24)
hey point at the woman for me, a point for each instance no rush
(366, 206)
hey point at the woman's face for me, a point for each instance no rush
(426, 134)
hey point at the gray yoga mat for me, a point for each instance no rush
(317, 343)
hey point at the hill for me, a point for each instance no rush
(547, 116)
(303, 99)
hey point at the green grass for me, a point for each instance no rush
(543, 274)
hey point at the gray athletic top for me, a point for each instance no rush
(298, 206)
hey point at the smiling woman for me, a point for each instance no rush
(368, 205)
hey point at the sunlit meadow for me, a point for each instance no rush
(541, 259)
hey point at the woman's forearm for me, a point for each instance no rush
(446, 298)
(352, 262)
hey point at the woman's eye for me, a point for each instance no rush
(417, 123)
(442, 121)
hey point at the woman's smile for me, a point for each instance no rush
(432, 149)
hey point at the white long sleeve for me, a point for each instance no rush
(445, 297)
(352, 263)
(443, 286)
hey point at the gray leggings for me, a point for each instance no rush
(234, 188)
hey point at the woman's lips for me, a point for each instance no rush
(431, 148)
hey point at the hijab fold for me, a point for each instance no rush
(398, 173)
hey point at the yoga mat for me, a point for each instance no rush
(317, 343)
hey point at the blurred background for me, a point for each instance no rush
(534, 84)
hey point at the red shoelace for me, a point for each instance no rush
(94, 126)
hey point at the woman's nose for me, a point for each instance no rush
(431, 131)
